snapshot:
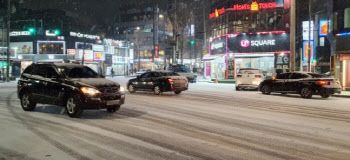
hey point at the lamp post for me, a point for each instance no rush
(8, 40)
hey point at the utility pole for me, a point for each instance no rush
(175, 34)
(8, 40)
(292, 35)
(83, 57)
(155, 34)
(309, 45)
(204, 27)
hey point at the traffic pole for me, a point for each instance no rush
(292, 35)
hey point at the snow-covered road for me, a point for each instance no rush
(210, 121)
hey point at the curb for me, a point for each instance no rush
(341, 96)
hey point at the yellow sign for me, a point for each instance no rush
(204, 52)
(254, 6)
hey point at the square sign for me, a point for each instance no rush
(323, 28)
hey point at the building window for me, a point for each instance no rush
(347, 18)
(51, 48)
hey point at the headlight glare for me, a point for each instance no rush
(88, 90)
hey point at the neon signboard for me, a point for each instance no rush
(323, 28)
(217, 13)
(255, 6)
(306, 50)
(245, 43)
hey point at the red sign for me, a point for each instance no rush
(156, 51)
(254, 6)
(217, 13)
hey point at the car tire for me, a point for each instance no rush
(27, 103)
(177, 92)
(306, 92)
(113, 109)
(238, 89)
(266, 90)
(73, 107)
(157, 90)
(325, 95)
(131, 88)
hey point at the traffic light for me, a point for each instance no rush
(57, 32)
(192, 43)
(31, 30)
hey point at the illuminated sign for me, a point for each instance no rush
(99, 48)
(88, 56)
(245, 43)
(217, 46)
(217, 13)
(80, 35)
(307, 30)
(99, 56)
(323, 28)
(263, 43)
(254, 6)
(48, 33)
(71, 51)
(51, 57)
(19, 33)
(156, 51)
(117, 59)
(306, 50)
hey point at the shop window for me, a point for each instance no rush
(51, 48)
(347, 18)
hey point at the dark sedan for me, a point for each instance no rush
(158, 82)
(303, 83)
(74, 86)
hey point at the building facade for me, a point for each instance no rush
(247, 34)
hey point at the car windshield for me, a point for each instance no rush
(78, 72)
(169, 74)
(314, 75)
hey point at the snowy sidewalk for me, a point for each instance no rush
(11, 84)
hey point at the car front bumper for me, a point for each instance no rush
(248, 86)
(103, 101)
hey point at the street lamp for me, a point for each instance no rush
(161, 16)
(138, 28)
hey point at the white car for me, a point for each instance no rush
(248, 78)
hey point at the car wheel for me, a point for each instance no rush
(131, 88)
(306, 92)
(177, 92)
(156, 90)
(266, 90)
(73, 107)
(325, 95)
(113, 109)
(27, 103)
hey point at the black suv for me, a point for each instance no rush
(74, 86)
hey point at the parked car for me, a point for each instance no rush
(248, 78)
(303, 83)
(142, 71)
(182, 70)
(74, 86)
(158, 82)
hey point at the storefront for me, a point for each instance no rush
(262, 50)
(342, 61)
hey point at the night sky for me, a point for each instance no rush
(92, 11)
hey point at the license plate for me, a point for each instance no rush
(114, 102)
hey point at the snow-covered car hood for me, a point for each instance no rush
(95, 82)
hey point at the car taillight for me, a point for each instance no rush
(171, 81)
(239, 76)
(257, 76)
(322, 82)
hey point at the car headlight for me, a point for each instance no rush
(88, 90)
(121, 89)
